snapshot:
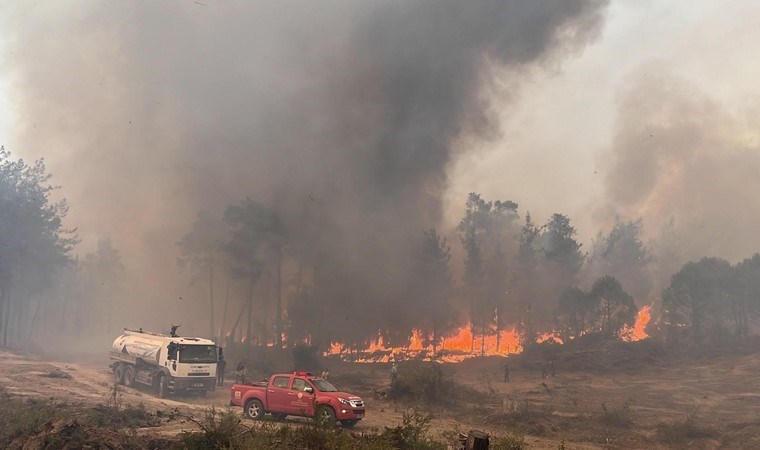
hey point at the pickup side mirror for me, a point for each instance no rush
(308, 389)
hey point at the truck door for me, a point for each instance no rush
(302, 402)
(278, 395)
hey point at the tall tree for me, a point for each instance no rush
(561, 248)
(434, 284)
(615, 307)
(695, 299)
(470, 227)
(103, 273)
(745, 295)
(199, 251)
(258, 235)
(575, 310)
(486, 234)
(622, 254)
(525, 277)
(34, 243)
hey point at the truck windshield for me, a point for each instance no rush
(323, 386)
(197, 354)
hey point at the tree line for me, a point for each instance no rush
(267, 280)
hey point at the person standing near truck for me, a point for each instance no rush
(221, 364)
(240, 373)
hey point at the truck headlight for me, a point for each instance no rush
(344, 401)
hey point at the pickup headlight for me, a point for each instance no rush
(344, 401)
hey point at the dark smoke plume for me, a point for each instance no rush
(341, 115)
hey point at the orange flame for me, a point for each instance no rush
(637, 333)
(455, 347)
(550, 337)
(463, 343)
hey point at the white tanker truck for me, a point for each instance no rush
(169, 364)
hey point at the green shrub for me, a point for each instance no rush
(412, 433)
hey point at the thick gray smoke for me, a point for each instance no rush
(342, 115)
(688, 164)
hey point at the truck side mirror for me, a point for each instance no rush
(308, 389)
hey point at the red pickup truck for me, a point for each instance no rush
(298, 394)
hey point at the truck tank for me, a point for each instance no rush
(140, 345)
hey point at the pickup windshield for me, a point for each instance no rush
(197, 354)
(323, 386)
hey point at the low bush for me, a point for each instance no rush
(21, 417)
(617, 416)
(224, 430)
(431, 384)
(511, 441)
(685, 430)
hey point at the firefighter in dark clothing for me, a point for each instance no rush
(220, 366)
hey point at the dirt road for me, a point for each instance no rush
(621, 409)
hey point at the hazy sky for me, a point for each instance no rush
(558, 135)
(555, 150)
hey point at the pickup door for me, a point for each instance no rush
(302, 402)
(278, 395)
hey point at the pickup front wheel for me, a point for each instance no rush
(325, 416)
(253, 409)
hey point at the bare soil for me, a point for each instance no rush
(644, 405)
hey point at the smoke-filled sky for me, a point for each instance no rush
(383, 115)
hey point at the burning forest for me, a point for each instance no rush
(433, 183)
(339, 236)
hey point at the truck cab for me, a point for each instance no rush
(298, 394)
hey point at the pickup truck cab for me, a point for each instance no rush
(298, 394)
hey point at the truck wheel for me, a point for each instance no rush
(119, 373)
(253, 409)
(129, 376)
(325, 416)
(162, 388)
(348, 423)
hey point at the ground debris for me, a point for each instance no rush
(56, 373)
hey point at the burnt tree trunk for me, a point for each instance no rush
(35, 319)
(224, 311)
(249, 335)
(498, 329)
(2, 316)
(263, 323)
(477, 440)
(237, 321)
(6, 316)
(211, 296)
(278, 309)
(474, 440)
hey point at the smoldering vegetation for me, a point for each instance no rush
(293, 177)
